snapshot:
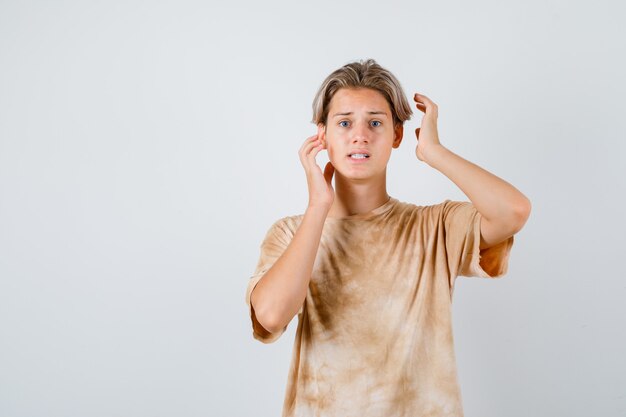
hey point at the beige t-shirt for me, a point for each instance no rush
(374, 334)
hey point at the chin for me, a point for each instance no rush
(355, 174)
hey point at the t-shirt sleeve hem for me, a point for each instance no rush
(258, 331)
(491, 262)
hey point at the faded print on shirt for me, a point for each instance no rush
(374, 334)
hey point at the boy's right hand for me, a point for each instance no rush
(321, 192)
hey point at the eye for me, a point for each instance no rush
(376, 121)
(343, 121)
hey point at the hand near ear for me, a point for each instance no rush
(426, 134)
(321, 192)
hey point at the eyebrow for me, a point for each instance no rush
(369, 112)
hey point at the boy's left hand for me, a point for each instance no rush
(426, 134)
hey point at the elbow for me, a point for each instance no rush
(268, 323)
(272, 322)
(273, 328)
(522, 213)
(263, 317)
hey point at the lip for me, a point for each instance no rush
(359, 151)
(358, 161)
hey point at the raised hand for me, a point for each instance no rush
(321, 192)
(426, 134)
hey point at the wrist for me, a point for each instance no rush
(433, 155)
(318, 208)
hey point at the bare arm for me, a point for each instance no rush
(281, 292)
(504, 209)
(278, 296)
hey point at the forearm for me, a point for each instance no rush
(494, 198)
(280, 293)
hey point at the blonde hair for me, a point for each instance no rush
(362, 74)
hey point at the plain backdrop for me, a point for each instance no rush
(146, 148)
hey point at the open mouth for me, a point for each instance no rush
(358, 156)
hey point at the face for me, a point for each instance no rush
(359, 122)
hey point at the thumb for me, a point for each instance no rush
(329, 170)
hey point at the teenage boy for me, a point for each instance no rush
(371, 278)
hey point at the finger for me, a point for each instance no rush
(310, 139)
(307, 141)
(306, 149)
(305, 153)
(314, 145)
(428, 110)
(422, 99)
(417, 132)
(314, 151)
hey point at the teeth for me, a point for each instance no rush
(358, 156)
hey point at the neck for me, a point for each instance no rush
(358, 196)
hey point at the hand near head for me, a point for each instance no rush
(321, 192)
(426, 134)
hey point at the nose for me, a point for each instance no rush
(360, 133)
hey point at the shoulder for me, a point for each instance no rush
(286, 225)
(447, 206)
(411, 217)
(455, 207)
(405, 208)
(431, 215)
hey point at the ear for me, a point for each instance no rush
(398, 132)
(321, 131)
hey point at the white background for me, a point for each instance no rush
(146, 148)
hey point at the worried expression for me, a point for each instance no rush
(359, 132)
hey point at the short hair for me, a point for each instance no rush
(362, 74)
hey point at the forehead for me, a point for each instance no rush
(347, 99)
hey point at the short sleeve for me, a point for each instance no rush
(462, 237)
(274, 244)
